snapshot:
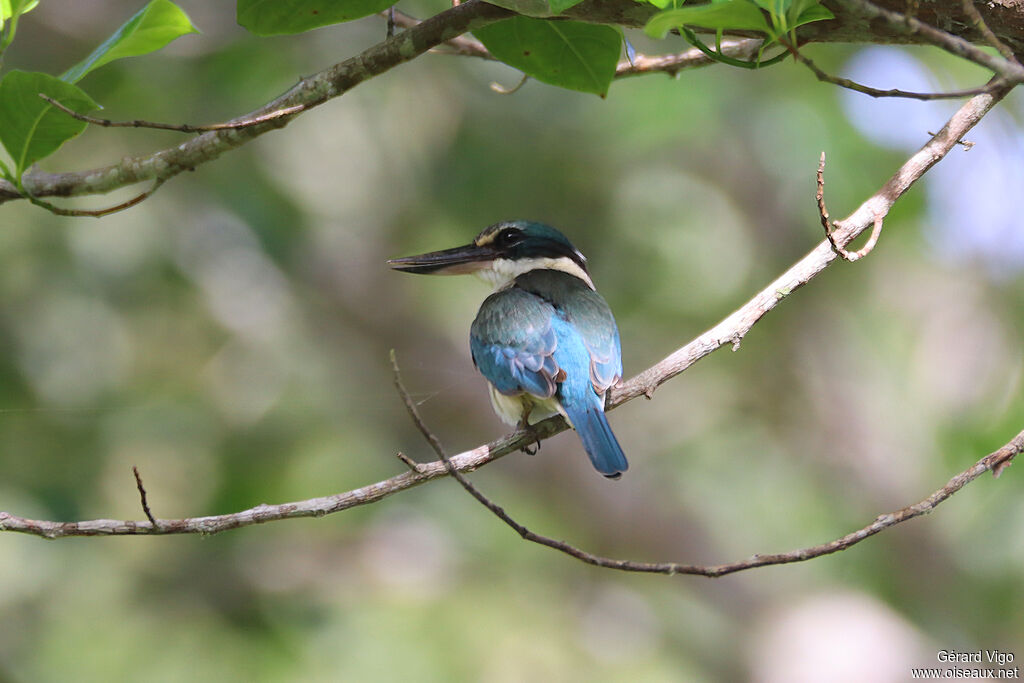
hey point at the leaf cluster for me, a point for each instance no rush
(773, 18)
(30, 127)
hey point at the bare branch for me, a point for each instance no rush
(995, 462)
(672, 64)
(98, 213)
(830, 235)
(979, 22)
(820, 196)
(142, 496)
(183, 127)
(911, 26)
(892, 92)
(502, 90)
(414, 466)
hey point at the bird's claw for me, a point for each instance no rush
(525, 426)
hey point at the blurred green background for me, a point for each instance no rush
(230, 337)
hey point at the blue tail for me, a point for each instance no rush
(598, 441)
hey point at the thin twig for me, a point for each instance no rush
(502, 90)
(966, 144)
(1010, 71)
(672, 64)
(979, 22)
(409, 462)
(876, 230)
(892, 92)
(182, 127)
(464, 45)
(97, 213)
(820, 196)
(142, 496)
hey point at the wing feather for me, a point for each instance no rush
(513, 343)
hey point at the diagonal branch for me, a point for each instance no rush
(308, 93)
(735, 327)
(729, 331)
(995, 462)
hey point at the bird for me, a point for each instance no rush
(545, 340)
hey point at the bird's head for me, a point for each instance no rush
(501, 253)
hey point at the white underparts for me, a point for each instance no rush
(510, 408)
(499, 273)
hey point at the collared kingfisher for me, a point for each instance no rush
(545, 340)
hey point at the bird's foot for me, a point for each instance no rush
(525, 426)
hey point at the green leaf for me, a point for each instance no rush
(10, 10)
(536, 8)
(277, 17)
(815, 13)
(30, 127)
(732, 14)
(798, 7)
(559, 6)
(155, 25)
(569, 54)
(773, 6)
(663, 4)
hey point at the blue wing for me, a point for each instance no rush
(513, 343)
(550, 335)
(588, 315)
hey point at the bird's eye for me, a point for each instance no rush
(509, 237)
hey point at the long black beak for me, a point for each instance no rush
(455, 261)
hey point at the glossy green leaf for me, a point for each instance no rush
(30, 127)
(10, 10)
(568, 54)
(153, 27)
(777, 7)
(733, 14)
(277, 17)
(815, 13)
